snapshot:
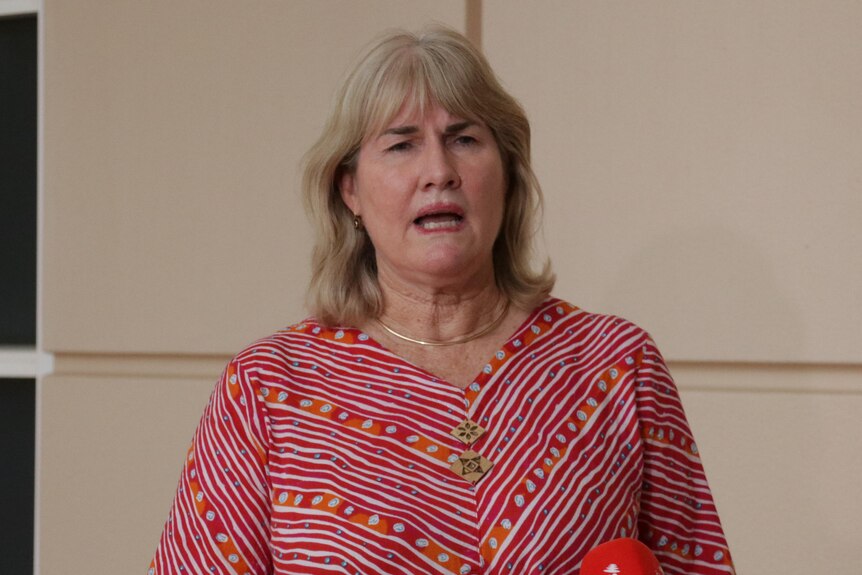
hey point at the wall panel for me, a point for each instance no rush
(173, 136)
(112, 449)
(784, 468)
(700, 162)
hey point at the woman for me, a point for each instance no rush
(363, 441)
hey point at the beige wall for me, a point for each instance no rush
(700, 162)
(174, 131)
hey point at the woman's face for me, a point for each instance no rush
(430, 189)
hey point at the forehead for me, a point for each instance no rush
(414, 115)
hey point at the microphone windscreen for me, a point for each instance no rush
(623, 556)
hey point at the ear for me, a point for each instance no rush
(347, 188)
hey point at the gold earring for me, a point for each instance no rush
(357, 222)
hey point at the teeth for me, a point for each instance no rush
(439, 221)
(439, 225)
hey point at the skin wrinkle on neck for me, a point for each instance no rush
(436, 312)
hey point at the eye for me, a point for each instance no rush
(464, 140)
(400, 147)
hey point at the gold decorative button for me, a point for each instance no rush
(468, 431)
(471, 466)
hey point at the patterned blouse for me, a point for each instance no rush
(321, 452)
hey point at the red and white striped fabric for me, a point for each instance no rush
(321, 452)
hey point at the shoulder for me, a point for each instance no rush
(619, 350)
(282, 348)
(591, 326)
(597, 339)
(303, 343)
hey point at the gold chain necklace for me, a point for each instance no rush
(463, 339)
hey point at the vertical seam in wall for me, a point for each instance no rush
(473, 23)
(40, 250)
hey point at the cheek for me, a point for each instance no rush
(379, 191)
(498, 195)
(384, 218)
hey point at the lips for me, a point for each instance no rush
(439, 217)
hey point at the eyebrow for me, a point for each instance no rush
(405, 130)
(459, 127)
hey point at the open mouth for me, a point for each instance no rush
(439, 221)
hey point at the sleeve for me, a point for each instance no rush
(219, 520)
(678, 519)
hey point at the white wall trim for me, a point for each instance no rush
(19, 7)
(40, 251)
(24, 362)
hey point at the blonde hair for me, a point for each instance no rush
(439, 67)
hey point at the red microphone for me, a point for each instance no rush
(621, 557)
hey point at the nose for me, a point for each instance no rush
(440, 170)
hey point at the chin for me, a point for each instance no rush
(452, 268)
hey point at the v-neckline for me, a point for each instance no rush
(516, 343)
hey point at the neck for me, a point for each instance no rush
(436, 313)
